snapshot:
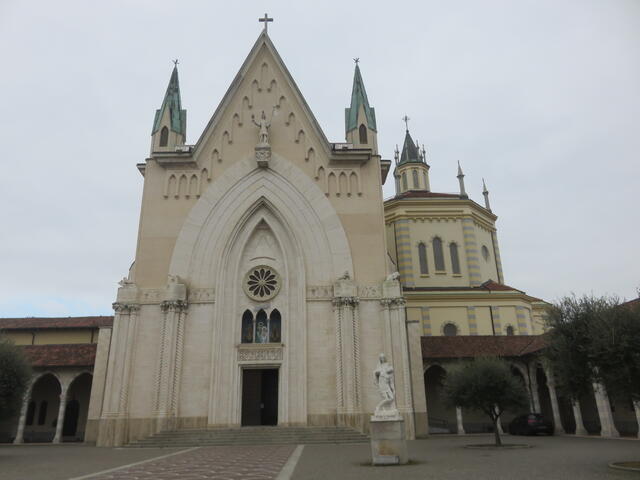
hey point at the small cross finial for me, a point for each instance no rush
(175, 62)
(266, 21)
(406, 119)
(356, 60)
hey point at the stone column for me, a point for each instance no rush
(636, 407)
(533, 384)
(459, 421)
(500, 429)
(61, 410)
(577, 416)
(557, 421)
(607, 427)
(23, 414)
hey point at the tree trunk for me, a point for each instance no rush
(496, 432)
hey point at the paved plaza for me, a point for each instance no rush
(439, 457)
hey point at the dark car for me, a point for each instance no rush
(530, 424)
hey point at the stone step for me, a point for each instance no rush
(252, 436)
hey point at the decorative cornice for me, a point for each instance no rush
(174, 305)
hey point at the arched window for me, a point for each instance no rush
(422, 256)
(455, 261)
(247, 327)
(450, 330)
(416, 182)
(438, 255)
(404, 181)
(275, 324)
(262, 327)
(363, 134)
(42, 413)
(164, 137)
(424, 178)
(510, 331)
(397, 184)
(31, 412)
(485, 252)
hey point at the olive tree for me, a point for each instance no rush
(15, 373)
(486, 385)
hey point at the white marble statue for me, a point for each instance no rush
(384, 380)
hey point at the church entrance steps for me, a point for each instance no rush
(252, 436)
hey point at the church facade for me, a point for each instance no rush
(270, 274)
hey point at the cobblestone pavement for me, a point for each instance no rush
(237, 462)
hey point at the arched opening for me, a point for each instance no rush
(45, 394)
(275, 327)
(262, 327)
(75, 415)
(438, 254)
(589, 411)
(164, 137)
(416, 182)
(624, 416)
(509, 415)
(363, 134)
(247, 327)
(450, 330)
(543, 394)
(31, 412)
(422, 257)
(441, 417)
(455, 259)
(510, 330)
(404, 181)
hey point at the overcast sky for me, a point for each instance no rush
(541, 98)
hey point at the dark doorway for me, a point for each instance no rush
(260, 397)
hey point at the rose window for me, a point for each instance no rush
(262, 283)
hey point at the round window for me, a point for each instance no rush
(261, 283)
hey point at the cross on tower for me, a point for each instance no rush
(266, 21)
(406, 119)
(357, 60)
(175, 62)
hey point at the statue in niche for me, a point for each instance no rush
(263, 136)
(384, 380)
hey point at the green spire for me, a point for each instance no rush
(410, 151)
(178, 117)
(359, 97)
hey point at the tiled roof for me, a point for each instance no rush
(470, 346)
(489, 285)
(633, 303)
(71, 355)
(54, 322)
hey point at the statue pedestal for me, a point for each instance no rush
(263, 154)
(388, 441)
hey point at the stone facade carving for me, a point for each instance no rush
(259, 354)
(202, 295)
(384, 380)
(319, 292)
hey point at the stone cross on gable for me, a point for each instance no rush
(266, 21)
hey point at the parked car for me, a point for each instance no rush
(530, 424)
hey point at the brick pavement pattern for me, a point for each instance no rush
(233, 462)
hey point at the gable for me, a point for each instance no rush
(262, 84)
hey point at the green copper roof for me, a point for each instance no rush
(172, 101)
(410, 151)
(359, 97)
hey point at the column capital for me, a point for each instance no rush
(345, 301)
(174, 305)
(395, 302)
(125, 308)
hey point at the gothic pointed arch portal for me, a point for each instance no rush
(273, 219)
